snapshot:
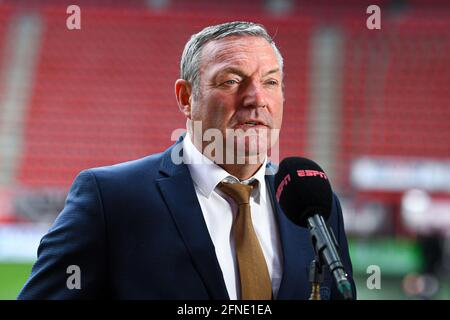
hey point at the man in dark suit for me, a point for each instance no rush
(200, 220)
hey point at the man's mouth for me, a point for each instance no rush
(252, 123)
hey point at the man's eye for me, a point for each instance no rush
(272, 82)
(230, 82)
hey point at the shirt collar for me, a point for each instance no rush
(207, 175)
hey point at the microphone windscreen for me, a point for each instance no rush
(302, 189)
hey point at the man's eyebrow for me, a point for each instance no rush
(271, 72)
(232, 70)
(242, 74)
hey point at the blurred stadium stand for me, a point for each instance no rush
(71, 100)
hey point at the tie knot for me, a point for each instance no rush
(239, 192)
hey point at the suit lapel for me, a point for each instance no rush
(179, 194)
(296, 250)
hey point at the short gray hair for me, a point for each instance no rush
(190, 60)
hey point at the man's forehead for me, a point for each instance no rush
(236, 50)
(236, 44)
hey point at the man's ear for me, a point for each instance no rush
(183, 93)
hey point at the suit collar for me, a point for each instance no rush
(178, 191)
(295, 245)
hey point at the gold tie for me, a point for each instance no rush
(253, 272)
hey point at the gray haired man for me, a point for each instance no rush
(208, 227)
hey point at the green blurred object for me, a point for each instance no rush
(12, 278)
(395, 257)
(391, 289)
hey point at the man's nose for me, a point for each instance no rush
(254, 96)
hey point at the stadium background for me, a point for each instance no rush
(371, 106)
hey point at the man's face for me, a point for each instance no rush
(240, 88)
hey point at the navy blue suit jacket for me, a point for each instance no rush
(136, 231)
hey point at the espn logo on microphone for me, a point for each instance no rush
(311, 173)
(283, 183)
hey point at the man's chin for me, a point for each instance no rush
(251, 153)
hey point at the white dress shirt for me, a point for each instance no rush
(219, 211)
